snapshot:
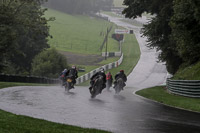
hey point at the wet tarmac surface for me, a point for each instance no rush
(123, 113)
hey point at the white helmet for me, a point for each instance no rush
(102, 70)
(73, 67)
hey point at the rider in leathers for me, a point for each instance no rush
(95, 76)
(62, 76)
(122, 75)
(74, 73)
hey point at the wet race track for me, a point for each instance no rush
(123, 113)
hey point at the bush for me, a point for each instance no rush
(48, 63)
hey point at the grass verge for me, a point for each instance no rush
(90, 68)
(188, 73)
(160, 94)
(11, 123)
(131, 51)
(118, 3)
(78, 33)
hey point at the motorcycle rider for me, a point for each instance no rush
(95, 76)
(109, 77)
(74, 73)
(122, 75)
(62, 76)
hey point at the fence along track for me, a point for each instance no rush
(87, 76)
(189, 88)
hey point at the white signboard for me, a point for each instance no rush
(122, 31)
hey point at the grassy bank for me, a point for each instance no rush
(131, 51)
(118, 3)
(10, 123)
(161, 95)
(188, 73)
(78, 34)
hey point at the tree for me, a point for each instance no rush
(7, 33)
(185, 24)
(158, 31)
(49, 63)
(24, 33)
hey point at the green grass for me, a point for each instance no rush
(10, 123)
(87, 69)
(188, 73)
(118, 3)
(112, 44)
(160, 94)
(77, 33)
(109, 60)
(131, 51)
(90, 68)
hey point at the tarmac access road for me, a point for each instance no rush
(123, 113)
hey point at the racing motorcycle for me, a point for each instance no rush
(68, 83)
(108, 84)
(97, 87)
(119, 85)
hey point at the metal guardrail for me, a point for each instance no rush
(106, 67)
(87, 76)
(189, 88)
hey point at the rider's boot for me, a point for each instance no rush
(104, 86)
(123, 86)
(101, 90)
(90, 88)
(114, 85)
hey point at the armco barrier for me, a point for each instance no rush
(106, 67)
(189, 88)
(27, 79)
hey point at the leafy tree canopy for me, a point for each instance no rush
(49, 63)
(158, 31)
(185, 24)
(23, 31)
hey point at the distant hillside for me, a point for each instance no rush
(78, 33)
(79, 6)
